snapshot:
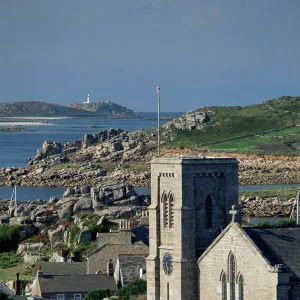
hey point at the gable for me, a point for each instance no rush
(233, 232)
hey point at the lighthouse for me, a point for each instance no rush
(87, 100)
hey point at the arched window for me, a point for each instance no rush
(224, 286)
(208, 212)
(241, 287)
(165, 210)
(231, 274)
(171, 213)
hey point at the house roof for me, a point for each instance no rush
(278, 245)
(75, 283)
(97, 262)
(130, 265)
(61, 268)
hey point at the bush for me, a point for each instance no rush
(137, 287)
(97, 295)
(8, 259)
(74, 234)
(9, 237)
(281, 223)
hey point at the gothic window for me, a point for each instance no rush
(241, 287)
(224, 287)
(171, 213)
(208, 212)
(165, 211)
(232, 273)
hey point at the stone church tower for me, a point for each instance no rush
(190, 203)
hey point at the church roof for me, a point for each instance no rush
(278, 245)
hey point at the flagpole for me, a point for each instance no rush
(158, 120)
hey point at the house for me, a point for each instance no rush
(129, 266)
(67, 287)
(110, 244)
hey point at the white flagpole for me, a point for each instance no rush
(158, 120)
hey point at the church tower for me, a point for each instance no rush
(190, 201)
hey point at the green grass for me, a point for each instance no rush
(9, 259)
(10, 273)
(282, 193)
(269, 127)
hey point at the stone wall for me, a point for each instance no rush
(259, 282)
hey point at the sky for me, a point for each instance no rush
(200, 52)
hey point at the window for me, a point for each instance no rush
(60, 296)
(167, 203)
(224, 287)
(165, 211)
(241, 287)
(171, 202)
(232, 276)
(208, 212)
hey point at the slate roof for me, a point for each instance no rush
(76, 283)
(61, 268)
(130, 265)
(278, 245)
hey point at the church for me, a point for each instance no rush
(197, 247)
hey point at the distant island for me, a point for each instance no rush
(36, 109)
(106, 109)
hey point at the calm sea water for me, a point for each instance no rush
(17, 147)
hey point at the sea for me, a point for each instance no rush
(17, 147)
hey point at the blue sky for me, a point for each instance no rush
(200, 52)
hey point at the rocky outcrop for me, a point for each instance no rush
(195, 120)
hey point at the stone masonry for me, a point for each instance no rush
(191, 198)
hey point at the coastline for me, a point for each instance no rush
(17, 123)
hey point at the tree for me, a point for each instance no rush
(97, 295)
(137, 287)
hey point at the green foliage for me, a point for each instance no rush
(104, 227)
(281, 223)
(74, 234)
(9, 259)
(97, 295)
(134, 288)
(83, 249)
(9, 237)
(267, 128)
(281, 193)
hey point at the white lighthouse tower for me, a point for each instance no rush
(88, 99)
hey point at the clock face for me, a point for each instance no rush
(167, 263)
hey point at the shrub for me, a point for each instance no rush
(97, 295)
(8, 259)
(74, 234)
(137, 287)
(9, 237)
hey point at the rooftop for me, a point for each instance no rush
(76, 283)
(279, 245)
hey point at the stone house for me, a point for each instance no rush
(110, 244)
(129, 267)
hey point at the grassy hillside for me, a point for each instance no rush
(272, 127)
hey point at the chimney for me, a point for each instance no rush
(110, 268)
(18, 285)
(39, 272)
(125, 236)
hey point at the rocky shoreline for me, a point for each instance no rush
(116, 154)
